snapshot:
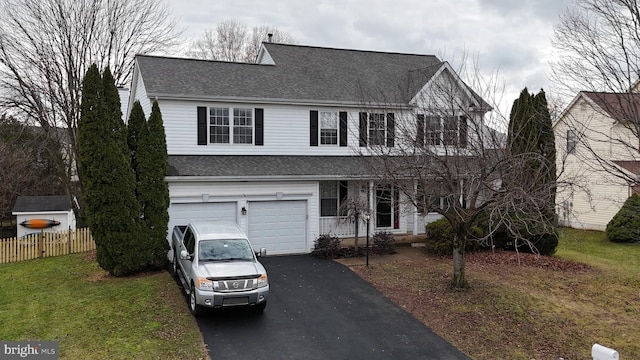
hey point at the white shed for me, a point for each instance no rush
(56, 208)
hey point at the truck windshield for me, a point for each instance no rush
(225, 250)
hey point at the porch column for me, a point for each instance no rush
(371, 205)
(415, 208)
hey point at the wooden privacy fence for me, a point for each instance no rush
(45, 244)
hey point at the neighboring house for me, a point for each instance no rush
(274, 145)
(598, 156)
(52, 207)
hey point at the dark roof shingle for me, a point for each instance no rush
(42, 203)
(247, 166)
(619, 106)
(300, 73)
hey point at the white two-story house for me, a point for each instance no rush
(274, 145)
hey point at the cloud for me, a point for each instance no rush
(513, 36)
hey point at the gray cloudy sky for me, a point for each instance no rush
(511, 37)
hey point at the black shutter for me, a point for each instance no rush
(363, 129)
(420, 130)
(202, 125)
(391, 129)
(259, 127)
(463, 131)
(313, 128)
(343, 128)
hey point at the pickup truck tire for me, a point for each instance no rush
(196, 310)
(260, 307)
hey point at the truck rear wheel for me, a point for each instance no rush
(196, 310)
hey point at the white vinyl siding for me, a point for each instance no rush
(606, 193)
(286, 130)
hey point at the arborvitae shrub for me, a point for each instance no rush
(625, 225)
(383, 243)
(326, 246)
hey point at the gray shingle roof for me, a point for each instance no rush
(300, 73)
(42, 203)
(234, 166)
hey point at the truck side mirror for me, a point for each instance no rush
(261, 253)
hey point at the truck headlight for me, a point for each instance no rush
(263, 281)
(205, 284)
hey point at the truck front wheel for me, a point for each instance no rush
(260, 307)
(174, 266)
(196, 310)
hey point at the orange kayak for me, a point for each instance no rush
(39, 223)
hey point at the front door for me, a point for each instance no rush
(387, 207)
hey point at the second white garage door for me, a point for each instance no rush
(278, 226)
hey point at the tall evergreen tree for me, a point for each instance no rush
(135, 125)
(92, 142)
(113, 212)
(152, 189)
(531, 136)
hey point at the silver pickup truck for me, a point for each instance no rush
(217, 266)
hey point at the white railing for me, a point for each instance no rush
(341, 226)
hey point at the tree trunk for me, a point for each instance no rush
(459, 279)
(355, 241)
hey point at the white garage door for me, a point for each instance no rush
(182, 214)
(278, 226)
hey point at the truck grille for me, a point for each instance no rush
(237, 285)
(235, 301)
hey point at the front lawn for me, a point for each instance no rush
(526, 307)
(96, 316)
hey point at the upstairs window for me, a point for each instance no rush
(328, 128)
(242, 126)
(572, 138)
(377, 129)
(219, 125)
(222, 132)
(442, 130)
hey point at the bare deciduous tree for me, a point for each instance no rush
(445, 160)
(232, 41)
(24, 164)
(598, 46)
(46, 46)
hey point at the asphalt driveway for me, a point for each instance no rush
(319, 309)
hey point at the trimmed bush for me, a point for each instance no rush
(440, 238)
(625, 225)
(326, 246)
(383, 243)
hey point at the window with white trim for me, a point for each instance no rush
(572, 138)
(445, 130)
(377, 129)
(328, 128)
(332, 195)
(223, 131)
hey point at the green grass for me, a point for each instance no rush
(93, 315)
(592, 247)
